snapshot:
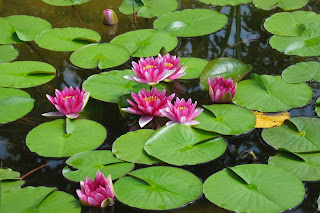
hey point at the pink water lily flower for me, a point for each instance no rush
(148, 104)
(109, 17)
(182, 112)
(149, 71)
(221, 90)
(68, 102)
(97, 193)
(172, 63)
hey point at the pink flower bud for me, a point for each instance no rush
(109, 17)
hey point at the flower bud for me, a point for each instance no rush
(109, 17)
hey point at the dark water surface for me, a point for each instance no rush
(243, 38)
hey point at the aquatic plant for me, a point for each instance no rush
(109, 17)
(221, 90)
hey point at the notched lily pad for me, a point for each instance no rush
(284, 4)
(9, 174)
(194, 67)
(64, 2)
(226, 2)
(268, 120)
(302, 72)
(86, 164)
(7, 53)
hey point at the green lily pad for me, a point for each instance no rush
(88, 163)
(254, 188)
(11, 185)
(302, 72)
(226, 2)
(289, 23)
(191, 22)
(226, 119)
(317, 107)
(19, 28)
(319, 203)
(305, 45)
(65, 137)
(305, 166)
(64, 2)
(9, 174)
(14, 104)
(103, 56)
(180, 144)
(194, 67)
(113, 82)
(129, 147)
(7, 53)
(149, 8)
(224, 67)
(66, 39)
(24, 74)
(146, 42)
(267, 93)
(301, 136)
(39, 199)
(284, 4)
(158, 188)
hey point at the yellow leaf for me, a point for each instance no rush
(268, 120)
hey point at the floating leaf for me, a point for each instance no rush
(191, 22)
(305, 45)
(268, 120)
(194, 67)
(8, 35)
(289, 23)
(224, 67)
(254, 188)
(113, 82)
(7, 53)
(66, 39)
(64, 2)
(304, 136)
(11, 185)
(226, 2)
(9, 174)
(302, 72)
(65, 137)
(226, 119)
(267, 93)
(129, 147)
(146, 42)
(284, 4)
(180, 144)
(158, 188)
(14, 104)
(24, 74)
(126, 6)
(317, 107)
(304, 166)
(103, 56)
(88, 163)
(39, 199)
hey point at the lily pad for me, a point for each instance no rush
(317, 107)
(254, 188)
(103, 56)
(158, 188)
(226, 2)
(64, 2)
(307, 44)
(9, 174)
(289, 23)
(305, 166)
(19, 28)
(129, 147)
(180, 144)
(269, 119)
(113, 82)
(39, 199)
(267, 93)
(302, 72)
(65, 137)
(14, 104)
(284, 4)
(301, 136)
(66, 39)
(24, 74)
(191, 22)
(146, 42)
(226, 119)
(194, 67)
(88, 163)
(224, 67)
(7, 53)
(126, 6)
(11, 185)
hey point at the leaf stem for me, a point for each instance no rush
(77, 14)
(34, 170)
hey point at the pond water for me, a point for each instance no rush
(243, 38)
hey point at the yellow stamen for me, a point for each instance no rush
(150, 98)
(181, 108)
(67, 97)
(169, 65)
(149, 66)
